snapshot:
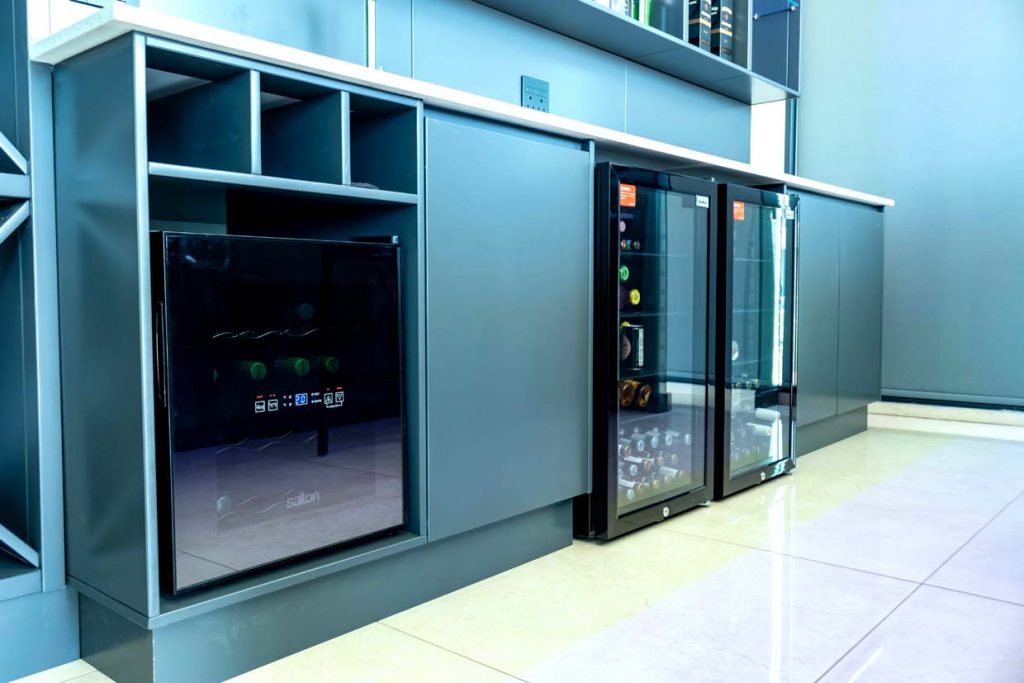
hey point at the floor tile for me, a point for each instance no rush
(902, 532)
(523, 616)
(938, 636)
(977, 467)
(992, 564)
(75, 671)
(374, 654)
(841, 505)
(665, 604)
(765, 617)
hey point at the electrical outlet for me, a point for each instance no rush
(536, 94)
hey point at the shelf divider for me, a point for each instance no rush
(247, 180)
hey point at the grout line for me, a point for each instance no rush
(457, 654)
(973, 536)
(974, 595)
(795, 557)
(925, 583)
(865, 636)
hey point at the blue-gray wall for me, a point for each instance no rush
(921, 100)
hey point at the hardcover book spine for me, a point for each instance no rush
(700, 24)
(722, 28)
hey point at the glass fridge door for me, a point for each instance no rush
(283, 410)
(662, 322)
(759, 360)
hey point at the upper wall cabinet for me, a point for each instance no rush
(761, 66)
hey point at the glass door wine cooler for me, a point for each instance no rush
(756, 390)
(652, 423)
(279, 400)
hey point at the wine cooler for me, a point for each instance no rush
(279, 400)
(652, 357)
(755, 379)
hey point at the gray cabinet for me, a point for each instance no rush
(860, 308)
(817, 343)
(839, 342)
(508, 325)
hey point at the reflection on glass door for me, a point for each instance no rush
(662, 316)
(759, 362)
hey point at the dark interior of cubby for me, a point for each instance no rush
(302, 130)
(14, 465)
(199, 112)
(383, 144)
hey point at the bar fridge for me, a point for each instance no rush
(653, 310)
(756, 390)
(279, 400)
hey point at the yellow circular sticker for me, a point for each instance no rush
(634, 297)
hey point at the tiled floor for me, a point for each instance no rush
(892, 556)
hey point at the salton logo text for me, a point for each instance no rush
(302, 499)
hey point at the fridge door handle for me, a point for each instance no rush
(160, 347)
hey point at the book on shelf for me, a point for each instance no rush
(722, 28)
(700, 24)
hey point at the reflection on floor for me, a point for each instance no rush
(891, 556)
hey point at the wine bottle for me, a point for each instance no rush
(628, 489)
(627, 391)
(639, 441)
(654, 438)
(328, 364)
(625, 448)
(250, 369)
(643, 396)
(293, 365)
(632, 346)
(670, 473)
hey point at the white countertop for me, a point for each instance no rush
(119, 19)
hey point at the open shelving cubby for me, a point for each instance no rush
(303, 130)
(198, 112)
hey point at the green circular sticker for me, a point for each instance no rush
(624, 273)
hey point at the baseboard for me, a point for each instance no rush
(938, 425)
(932, 411)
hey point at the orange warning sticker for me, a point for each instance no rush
(739, 211)
(627, 195)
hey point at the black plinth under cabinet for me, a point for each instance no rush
(652, 356)
(279, 394)
(755, 391)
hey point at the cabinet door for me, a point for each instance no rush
(818, 324)
(508, 324)
(860, 307)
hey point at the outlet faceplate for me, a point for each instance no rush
(536, 94)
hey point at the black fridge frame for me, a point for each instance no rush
(595, 514)
(725, 485)
(163, 400)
